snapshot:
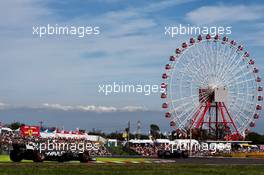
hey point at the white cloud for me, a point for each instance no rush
(96, 108)
(16, 12)
(93, 108)
(133, 108)
(225, 13)
(157, 6)
(3, 105)
(58, 106)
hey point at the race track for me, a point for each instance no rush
(218, 161)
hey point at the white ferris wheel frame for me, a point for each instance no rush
(220, 74)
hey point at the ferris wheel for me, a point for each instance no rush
(211, 83)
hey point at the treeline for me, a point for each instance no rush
(255, 138)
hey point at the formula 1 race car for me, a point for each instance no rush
(167, 154)
(28, 152)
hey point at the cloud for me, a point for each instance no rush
(134, 19)
(23, 12)
(58, 106)
(225, 14)
(161, 5)
(3, 105)
(93, 108)
(133, 108)
(96, 108)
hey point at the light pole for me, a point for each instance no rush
(190, 141)
(128, 130)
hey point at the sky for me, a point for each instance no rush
(64, 72)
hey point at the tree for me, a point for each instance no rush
(15, 125)
(115, 135)
(155, 131)
(97, 132)
(255, 138)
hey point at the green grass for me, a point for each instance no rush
(129, 169)
(4, 158)
(72, 168)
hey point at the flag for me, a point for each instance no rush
(30, 130)
(124, 134)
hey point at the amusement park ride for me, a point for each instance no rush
(212, 84)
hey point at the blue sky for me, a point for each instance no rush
(66, 71)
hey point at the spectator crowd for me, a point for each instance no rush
(7, 139)
(149, 149)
